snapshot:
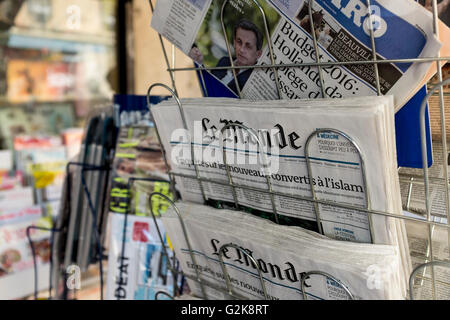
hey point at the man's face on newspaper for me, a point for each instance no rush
(245, 46)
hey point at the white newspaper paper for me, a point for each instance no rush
(336, 170)
(402, 29)
(418, 237)
(282, 254)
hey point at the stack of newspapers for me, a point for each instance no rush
(284, 256)
(328, 163)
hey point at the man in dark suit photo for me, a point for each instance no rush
(247, 42)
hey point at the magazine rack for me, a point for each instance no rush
(93, 212)
(431, 223)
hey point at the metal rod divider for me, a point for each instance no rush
(225, 272)
(336, 204)
(316, 47)
(323, 64)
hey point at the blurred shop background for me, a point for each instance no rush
(60, 61)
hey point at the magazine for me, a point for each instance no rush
(401, 29)
(336, 167)
(16, 258)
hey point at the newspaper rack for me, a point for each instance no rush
(430, 262)
(431, 222)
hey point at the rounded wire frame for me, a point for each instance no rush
(363, 171)
(226, 274)
(30, 242)
(263, 159)
(327, 275)
(374, 51)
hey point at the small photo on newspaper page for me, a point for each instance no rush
(443, 9)
(246, 36)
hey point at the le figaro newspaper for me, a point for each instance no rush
(401, 29)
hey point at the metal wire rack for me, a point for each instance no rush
(430, 222)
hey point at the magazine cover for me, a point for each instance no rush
(40, 80)
(17, 206)
(16, 259)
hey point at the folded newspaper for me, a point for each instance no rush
(283, 256)
(401, 29)
(352, 167)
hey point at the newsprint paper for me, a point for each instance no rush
(276, 153)
(282, 254)
(141, 269)
(402, 29)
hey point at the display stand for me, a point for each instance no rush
(430, 261)
(429, 222)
